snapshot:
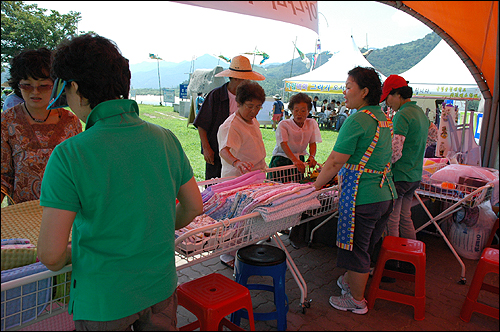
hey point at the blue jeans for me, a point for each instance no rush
(400, 223)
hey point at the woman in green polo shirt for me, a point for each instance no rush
(411, 128)
(116, 185)
(361, 157)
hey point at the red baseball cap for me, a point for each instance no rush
(392, 82)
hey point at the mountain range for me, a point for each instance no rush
(389, 60)
(145, 74)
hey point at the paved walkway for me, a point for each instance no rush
(444, 296)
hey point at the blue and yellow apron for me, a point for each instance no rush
(349, 176)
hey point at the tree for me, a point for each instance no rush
(28, 27)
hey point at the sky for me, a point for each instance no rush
(179, 32)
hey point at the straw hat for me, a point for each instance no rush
(277, 97)
(240, 67)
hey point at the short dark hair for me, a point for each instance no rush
(405, 92)
(300, 98)
(367, 77)
(29, 63)
(249, 90)
(96, 64)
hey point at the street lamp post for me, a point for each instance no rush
(157, 58)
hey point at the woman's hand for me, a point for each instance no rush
(243, 166)
(300, 166)
(311, 162)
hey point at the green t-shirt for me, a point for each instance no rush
(355, 136)
(411, 122)
(121, 175)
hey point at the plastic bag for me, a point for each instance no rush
(469, 242)
(453, 172)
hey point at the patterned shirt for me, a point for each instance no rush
(26, 148)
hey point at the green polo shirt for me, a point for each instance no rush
(121, 175)
(411, 122)
(355, 136)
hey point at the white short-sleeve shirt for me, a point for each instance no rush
(233, 105)
(296, 137)
(244, 141)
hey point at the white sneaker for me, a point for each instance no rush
(344, 286)
(346, 302)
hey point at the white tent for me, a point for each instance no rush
(330, 77)
(442, 75)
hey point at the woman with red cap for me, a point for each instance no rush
(411, 128)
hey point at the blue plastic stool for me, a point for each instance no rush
(263, 260)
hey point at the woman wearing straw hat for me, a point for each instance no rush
(218, 105)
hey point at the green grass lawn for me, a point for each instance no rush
(188, 136)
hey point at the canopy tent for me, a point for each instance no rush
(442, 75)
(471, 30)
(330, 77)
(469, 27)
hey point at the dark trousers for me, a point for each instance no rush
(215, 170)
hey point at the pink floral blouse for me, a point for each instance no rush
(26, 149)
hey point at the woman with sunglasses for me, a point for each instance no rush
(30, 131)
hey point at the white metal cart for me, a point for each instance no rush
(455, 196)
(232, 234)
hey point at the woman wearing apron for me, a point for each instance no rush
(361, 157)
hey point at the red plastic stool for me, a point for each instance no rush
(407, 250)
(210, 299)
(487, 264)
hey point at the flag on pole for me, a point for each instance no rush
(303, 57)
(264, 55)
(314, 62)
(224, 58)
(154, 57)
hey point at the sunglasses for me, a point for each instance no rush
(29, 88)
(58, 95)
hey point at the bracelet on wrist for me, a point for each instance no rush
(234, 162)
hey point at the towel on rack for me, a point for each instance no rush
(35, 296)
(289, 208)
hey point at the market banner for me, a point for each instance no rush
(303, 13)
(446, 91)
(315, 87)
